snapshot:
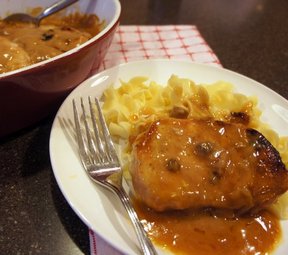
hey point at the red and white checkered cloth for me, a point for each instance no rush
(149, 42)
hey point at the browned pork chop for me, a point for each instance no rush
(182, 163)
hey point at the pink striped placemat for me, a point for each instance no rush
(133, 43)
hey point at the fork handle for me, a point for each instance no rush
(145, 243)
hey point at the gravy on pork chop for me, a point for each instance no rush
(185, 163)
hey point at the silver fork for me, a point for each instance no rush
(99, 158)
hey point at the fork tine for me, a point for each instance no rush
(110, 149)
(97, 146)
(80, 138)
(87, 129)
(97, 135)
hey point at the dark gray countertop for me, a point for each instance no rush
(249, 37)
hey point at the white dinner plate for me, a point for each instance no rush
(100, 209)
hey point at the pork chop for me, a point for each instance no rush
(184, 163)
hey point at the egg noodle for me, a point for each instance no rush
(138, 102)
